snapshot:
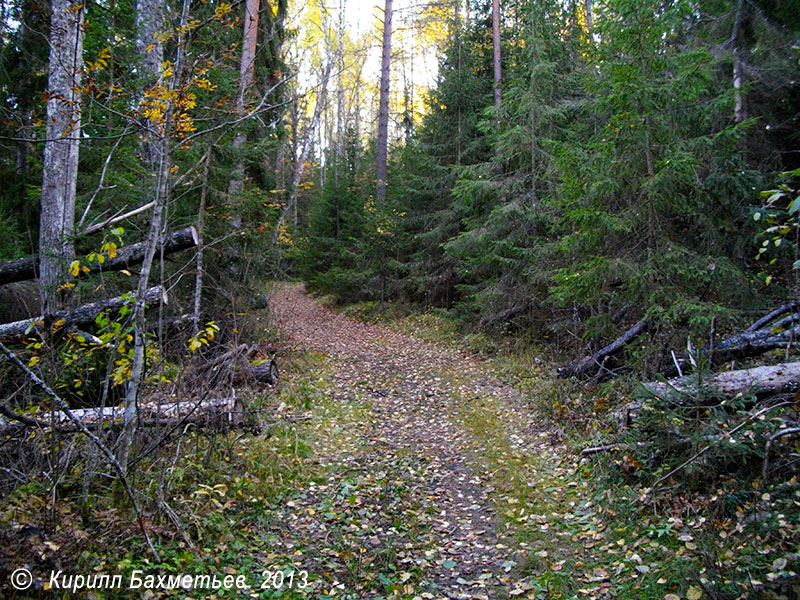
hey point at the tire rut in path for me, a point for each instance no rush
(411, 402)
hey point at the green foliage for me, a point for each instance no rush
(613, 180)
(780, 215)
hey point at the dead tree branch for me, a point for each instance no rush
(589, 364)
(83, 315)
(94, 439)
(126, 257)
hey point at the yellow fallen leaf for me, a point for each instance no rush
(694, 593)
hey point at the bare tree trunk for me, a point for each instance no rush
(149, 25)
(249, 39)
(198, 281)
(496, 52)
(23, 146)
(60, 166)
(739, 112)
(408, 93)
(383, 108)
(589, 18)
(340, 103)
(459, 34)
(532, 115)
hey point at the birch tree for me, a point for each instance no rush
(150, 50)
(308, 142)
(154, 235)
(60, 166)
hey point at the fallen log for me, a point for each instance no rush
(506, 315)
(217, 413)
(592, 363)
(772, 315)
(236, 361)
(753, 343)
(83, 315)
(763, 335)
(266, 372)
(761, 382)
(125, 258)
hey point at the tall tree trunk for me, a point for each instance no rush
(383, 108)
(459, 61)
(60, 166)
(201, 211)
(739, 112)
(532, 115)
(149, 25)
(341, 124)
(496, 52)
(150, 49)
(246, 69)
(589, 18)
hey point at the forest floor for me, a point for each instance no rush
(392, 462)
(439, 480)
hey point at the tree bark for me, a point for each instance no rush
(201, 211)
(150, 49)
(753, 343)
(382, 146)
(23, 269)
(496, 52)
(149, 25)
(246, 69)
(215, 411)
(82, 315)
(739, 112)
(60, 164)
(589, 18)
(760, 381)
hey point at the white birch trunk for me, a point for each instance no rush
(60, 164)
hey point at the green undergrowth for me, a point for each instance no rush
(208, 499)
(592, 526)
(589, 529)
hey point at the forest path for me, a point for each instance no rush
(407, 509)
